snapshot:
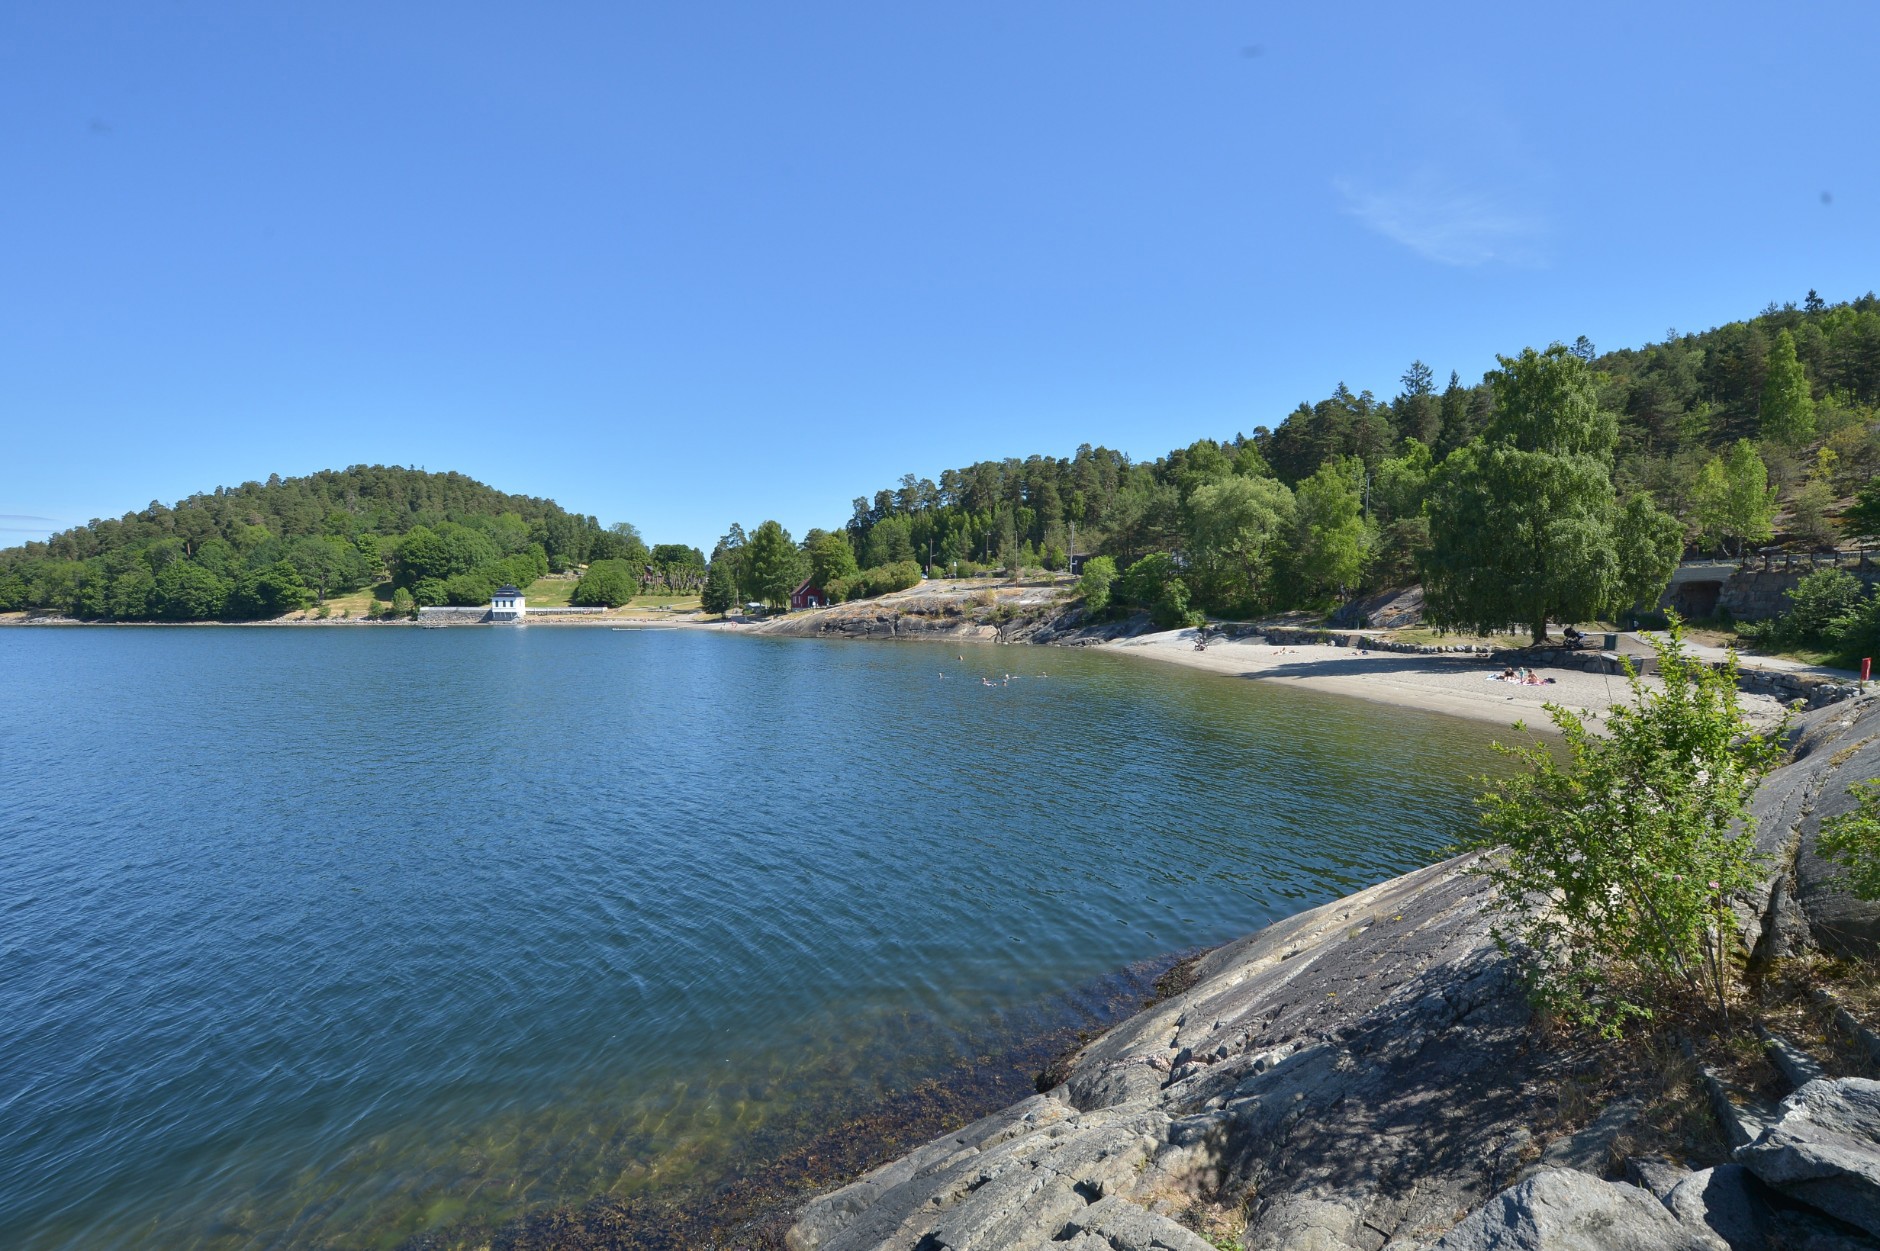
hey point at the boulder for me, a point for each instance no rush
(1561, 1209)
(1836, 920)
(1824, 1149)
(1724, 1201)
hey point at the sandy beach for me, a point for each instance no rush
(1456, 685)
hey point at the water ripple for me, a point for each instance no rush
(333, 937)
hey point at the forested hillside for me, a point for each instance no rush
(263, 549)
(1752, 432)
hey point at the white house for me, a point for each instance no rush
(506, 604)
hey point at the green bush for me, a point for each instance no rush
(1852, 841)
(1817, 602)
(1615, 862)
(1094, 585)
(606, 584)
(1155, 582)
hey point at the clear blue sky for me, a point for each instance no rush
(687, 264)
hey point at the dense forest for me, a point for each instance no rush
(263, 549)
(1562, 485)
(1755, 432)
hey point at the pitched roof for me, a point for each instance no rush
(508, 591)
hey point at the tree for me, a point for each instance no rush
(188, 592)
(1331, 543)
(1155, 583)
(1615, 865)
(1788, 409)
(721, 588)
(270, 591)
(771, 565)
(1647, 544)
(1862, 518)
(1734, 499)
(622, 542)
(1094, 585)
(328, 564)
(1524, 522)
(730, 550)
(1233, 526)
(830, 557)
(133, 593)
(606, 584)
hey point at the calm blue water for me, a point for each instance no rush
(333, 936)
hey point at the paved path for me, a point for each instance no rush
(1635, 645)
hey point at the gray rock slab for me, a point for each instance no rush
(1655, 1173)
(1724, 1201)
(1590, 1149)
(1837, 920)
(1824, 1149)
(1567, 1210)
(1116, 1224)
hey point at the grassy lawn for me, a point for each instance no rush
(548, 592)
(351, 604)
(673, 603)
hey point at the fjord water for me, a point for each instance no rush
(329, 937)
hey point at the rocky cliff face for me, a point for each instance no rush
(1362, 1076)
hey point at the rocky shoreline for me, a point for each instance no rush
(1366, 1076)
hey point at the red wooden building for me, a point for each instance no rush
(808, 595)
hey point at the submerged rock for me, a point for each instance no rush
(1358, 1067)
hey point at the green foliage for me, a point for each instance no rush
(1234, 526)
(1788, 409)
(1615, 866)
(830, 557)
(1734, 499)
(1862, 518)
(1819, 602)
(269, 592)
(1852, 841)
(606, 584)
(1524, 523)
(1331, 542)
(1099, 573)
(721, 588)
(215, 554)
(404, 603)
(1646, 546)
(1155, 583)
(190, 592)
(772, 565)
(868, 583)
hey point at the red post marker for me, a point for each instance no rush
(1866, 668)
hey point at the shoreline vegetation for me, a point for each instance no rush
(1452, 684)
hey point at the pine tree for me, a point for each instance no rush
(1788, 410)
(721, 588)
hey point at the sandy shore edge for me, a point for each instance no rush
(1453, 685)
